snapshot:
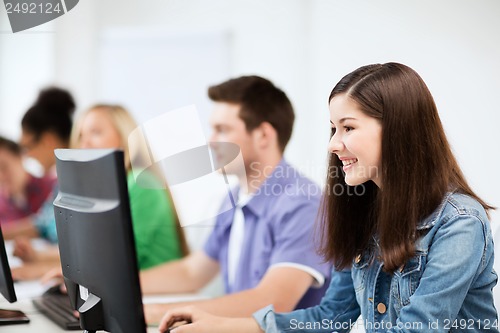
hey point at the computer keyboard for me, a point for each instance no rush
(58, 308)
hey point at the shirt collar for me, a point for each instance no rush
(259, 201)
(430, 220)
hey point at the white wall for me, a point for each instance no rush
(26, 64)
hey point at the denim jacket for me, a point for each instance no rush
(445, 287)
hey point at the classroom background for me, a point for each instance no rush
(157, 55)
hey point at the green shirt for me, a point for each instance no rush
(153, 221)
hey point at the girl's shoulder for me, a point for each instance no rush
(457, 214)
(454, 205)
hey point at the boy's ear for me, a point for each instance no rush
(266, 135)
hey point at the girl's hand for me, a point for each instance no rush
(192, 320)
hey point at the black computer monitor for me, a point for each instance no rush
(7, 290)
(96, 241)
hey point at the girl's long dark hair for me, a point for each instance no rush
(418, 168)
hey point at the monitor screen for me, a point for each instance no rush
(8, 317)
(96, 240)
(6, 283)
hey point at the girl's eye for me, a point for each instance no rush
(348, 128)
(333, 131)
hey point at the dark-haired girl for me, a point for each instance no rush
(410, 240)
(45, 127)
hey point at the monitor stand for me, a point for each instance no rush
(91, 313)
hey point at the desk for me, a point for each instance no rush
(38, 322)
(26, 291)
(41, 324)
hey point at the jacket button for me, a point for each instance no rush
(358, 259)
(381, 308)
